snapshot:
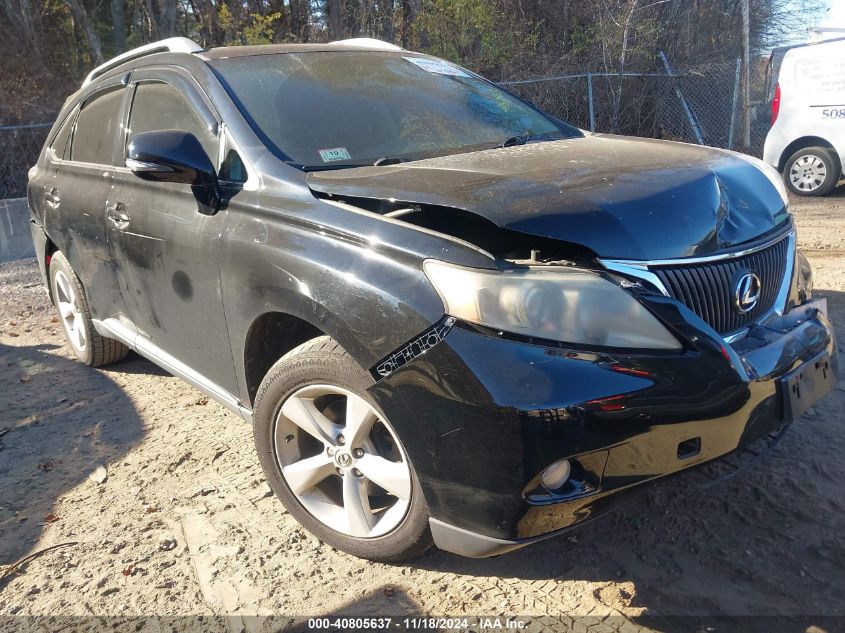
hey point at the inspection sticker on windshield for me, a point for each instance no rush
(335, 153)
(437, 66)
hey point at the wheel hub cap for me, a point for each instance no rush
(67, 302)
(342, 461)
(808, 173)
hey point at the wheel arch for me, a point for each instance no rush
(49, 249)
(44, 257)
(270, 336)
(801, 143)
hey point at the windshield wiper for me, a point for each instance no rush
(522, 139)
(309, 168)
(515, 140)
(387, 160)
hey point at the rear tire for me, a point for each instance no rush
(812, 171)
(75, 316)
(304, 424)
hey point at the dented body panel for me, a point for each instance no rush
(288, 254)
(623, 198)
(619, 417)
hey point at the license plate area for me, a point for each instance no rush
(805, 385)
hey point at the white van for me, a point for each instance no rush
(807, 91)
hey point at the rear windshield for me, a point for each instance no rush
(322, 110)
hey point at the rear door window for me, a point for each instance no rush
(96, 129)
(159, 106)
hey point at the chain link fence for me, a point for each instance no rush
(697, 105)
(21, 145)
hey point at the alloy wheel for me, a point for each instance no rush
(808, 173)
(342, 461)
(70, 311)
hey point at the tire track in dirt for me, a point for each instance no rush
(184, 522)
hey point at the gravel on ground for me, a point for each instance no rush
(153, 501)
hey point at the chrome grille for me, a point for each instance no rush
(708, 288)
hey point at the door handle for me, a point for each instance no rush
(51, 197)
(117, 215)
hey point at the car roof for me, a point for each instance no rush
(784, 49)
(223, 52)
(180, 50)
(182, 46)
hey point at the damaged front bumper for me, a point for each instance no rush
(482, 416)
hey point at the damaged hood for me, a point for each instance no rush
(621, 197)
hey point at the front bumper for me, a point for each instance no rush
(481, 417)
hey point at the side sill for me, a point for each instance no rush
(112, 328)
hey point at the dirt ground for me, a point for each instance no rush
(156, 499)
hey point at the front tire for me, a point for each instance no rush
(334, 460)
(812, 171)
(75, 316)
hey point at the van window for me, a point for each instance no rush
(94, 135)
(159, 106)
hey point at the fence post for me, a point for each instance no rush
(746, 79)
(590, 97)
(733, 105)
(683, 101)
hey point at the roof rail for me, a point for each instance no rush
(368, 42)
(172, 45)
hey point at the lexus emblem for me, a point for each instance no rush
(746, 292)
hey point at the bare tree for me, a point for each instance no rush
(623, 51)
(300, 14)
(80, 15)
(334, 14)
(384, 10)
(118, 24)
(410, 8)
(167, 19)
(151, 21)
(22, 17)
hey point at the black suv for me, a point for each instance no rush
(450, 317)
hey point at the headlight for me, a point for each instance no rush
(770, 172)
(573, 306)
(805, 278)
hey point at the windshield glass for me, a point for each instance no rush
(321, 110)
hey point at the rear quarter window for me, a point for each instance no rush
(60, 145)
(96, 127)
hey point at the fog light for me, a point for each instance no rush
(556, 475)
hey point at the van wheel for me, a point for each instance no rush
(334, 460)
(812, 171)
(69, 298)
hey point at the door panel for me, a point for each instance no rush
(167, 252)
(43, 187)
(79, 196)
(84, 190)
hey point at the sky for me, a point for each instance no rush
(833, 15)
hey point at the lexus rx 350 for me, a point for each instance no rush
(449, 317)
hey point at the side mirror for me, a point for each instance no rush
(175, 156)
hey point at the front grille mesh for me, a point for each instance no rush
(708, 288)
